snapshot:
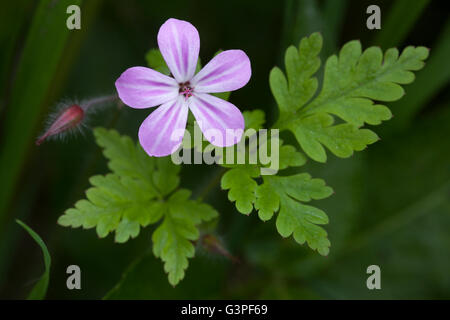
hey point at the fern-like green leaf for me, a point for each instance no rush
(239, 181)
(352, 81)
(172, 240)
(156, 61)
(282, 194)
(331, 118)
(286, 194)
(125, 157)
(141, 191)
(254, 119)
(114, 203)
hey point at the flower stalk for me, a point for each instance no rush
(213, 244)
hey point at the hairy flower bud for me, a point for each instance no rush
(72, 115)
(68, 119)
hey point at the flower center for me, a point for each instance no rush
(186, 90)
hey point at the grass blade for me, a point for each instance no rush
(301, 18)
(333, 15)
(40, 288)
(41, 55)
(399, 22)
(12, 17)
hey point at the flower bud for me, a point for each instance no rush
(68, 119)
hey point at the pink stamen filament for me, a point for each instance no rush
(186, 90)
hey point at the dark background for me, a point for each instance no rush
(391, 204)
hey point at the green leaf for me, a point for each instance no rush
(290, 157)
(141, 191)
(254, 119)
(129, 160)
(114, 203)
(172, 240)
(240, 178)
(222, 95)
(329, 119)
(126, 158)
(166, 178)
(239, 181)
(267, 202)
(156, 61)
(293, 92)
(40, 288)
(286, 194)
(128, 198)
(352, 81)
(316, 131)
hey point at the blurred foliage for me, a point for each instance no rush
(391, 205)
(39, 59)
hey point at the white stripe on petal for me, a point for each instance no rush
(155, 133)
(140, 87)
(179, 44)
(221, 122)
(228, 71)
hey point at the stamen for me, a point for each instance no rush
(186, 90)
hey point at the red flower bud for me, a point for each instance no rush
(68, 119)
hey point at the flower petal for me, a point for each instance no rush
(140, 87)
(162, 131)
(221, 122)
(179, 44)
(228, 71)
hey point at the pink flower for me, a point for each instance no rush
(141, 87)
